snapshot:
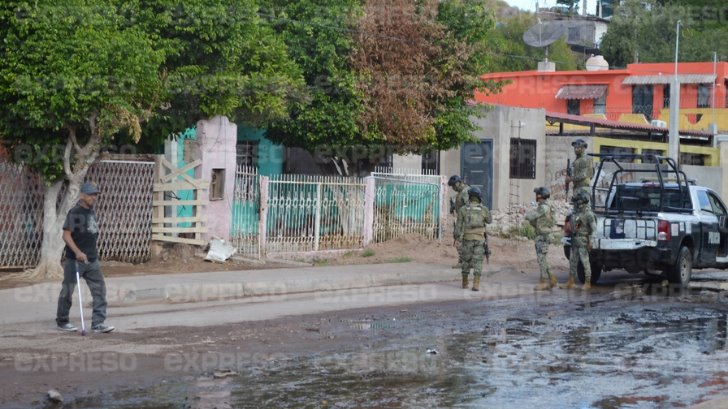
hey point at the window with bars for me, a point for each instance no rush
(600, 105)
(217, 184)
(666, 96)
(658, 152)
(246, 153)
(642, 100)
(616, 150)
(523, 158)
(692, 159)
(703, 96)
(573, 107)
(431, 163)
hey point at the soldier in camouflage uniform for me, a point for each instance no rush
(461, 199)
(542, 220)
(583, 229)
(582, 169)
(469, 229)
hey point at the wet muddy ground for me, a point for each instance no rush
(619, 347)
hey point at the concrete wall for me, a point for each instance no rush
(217, 137)
(708, 176)
(558, 151)
(501, 124)
(408, 162)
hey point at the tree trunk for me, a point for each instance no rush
(75, 169)
(49, 265)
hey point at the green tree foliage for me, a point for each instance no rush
(77, 73)
(224, 59)
(573, 5)
(647, 34)
(71, 74)
(319, 39)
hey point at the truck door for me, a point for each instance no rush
(709, 233)
(721, 213)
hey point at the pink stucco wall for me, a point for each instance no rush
(217, 137)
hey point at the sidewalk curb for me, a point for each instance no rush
(237, 285)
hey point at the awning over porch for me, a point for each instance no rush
(581, 91)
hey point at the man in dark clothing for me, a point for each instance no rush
(80, 232)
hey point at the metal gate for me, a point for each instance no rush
(124, 209)
(311, 213)
(21, 216)
(477, 167)
(407, 203)
(245, 228)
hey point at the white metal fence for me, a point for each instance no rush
(407, 203)
(299, 213)
(311, 213)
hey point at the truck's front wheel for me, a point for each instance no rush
(681, 272)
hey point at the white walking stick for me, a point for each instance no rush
(80, 300)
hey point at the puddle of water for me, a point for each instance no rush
(503, 354)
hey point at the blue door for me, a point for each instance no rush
(476, 165)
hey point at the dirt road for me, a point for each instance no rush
(628, 343)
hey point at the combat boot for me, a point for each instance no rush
(570, 284)
(552, 280)
(465, 281)
(476, 283)
(543, 285)
(586, 286)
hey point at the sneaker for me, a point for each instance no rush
(102, 328)
(68, 327)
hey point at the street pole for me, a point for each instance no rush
(713, 125)
(674, 134)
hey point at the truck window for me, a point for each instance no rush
(704, 201)
(716, 205)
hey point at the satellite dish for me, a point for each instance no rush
(542, 35)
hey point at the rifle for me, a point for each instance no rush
(486, 250)
(452, 205)
(568, 173)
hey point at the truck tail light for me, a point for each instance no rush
(663, 230)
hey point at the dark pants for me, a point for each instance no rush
(91, 272)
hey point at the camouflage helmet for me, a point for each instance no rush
(454, 180)
(579, 143)
(580, 197)
(542, 191)
(475, 192)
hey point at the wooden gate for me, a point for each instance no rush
(166, 225)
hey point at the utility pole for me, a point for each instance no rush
(674, 134)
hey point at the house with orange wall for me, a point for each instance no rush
(639, 93)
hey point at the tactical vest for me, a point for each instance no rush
(474, 221)
(545, 223)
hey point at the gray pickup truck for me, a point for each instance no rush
(651, 219)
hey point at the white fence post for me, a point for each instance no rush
(263, 220)
(369, 198)
(317, 221)
(444, 205)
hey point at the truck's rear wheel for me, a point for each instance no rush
(681, 272)
(596, 271)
